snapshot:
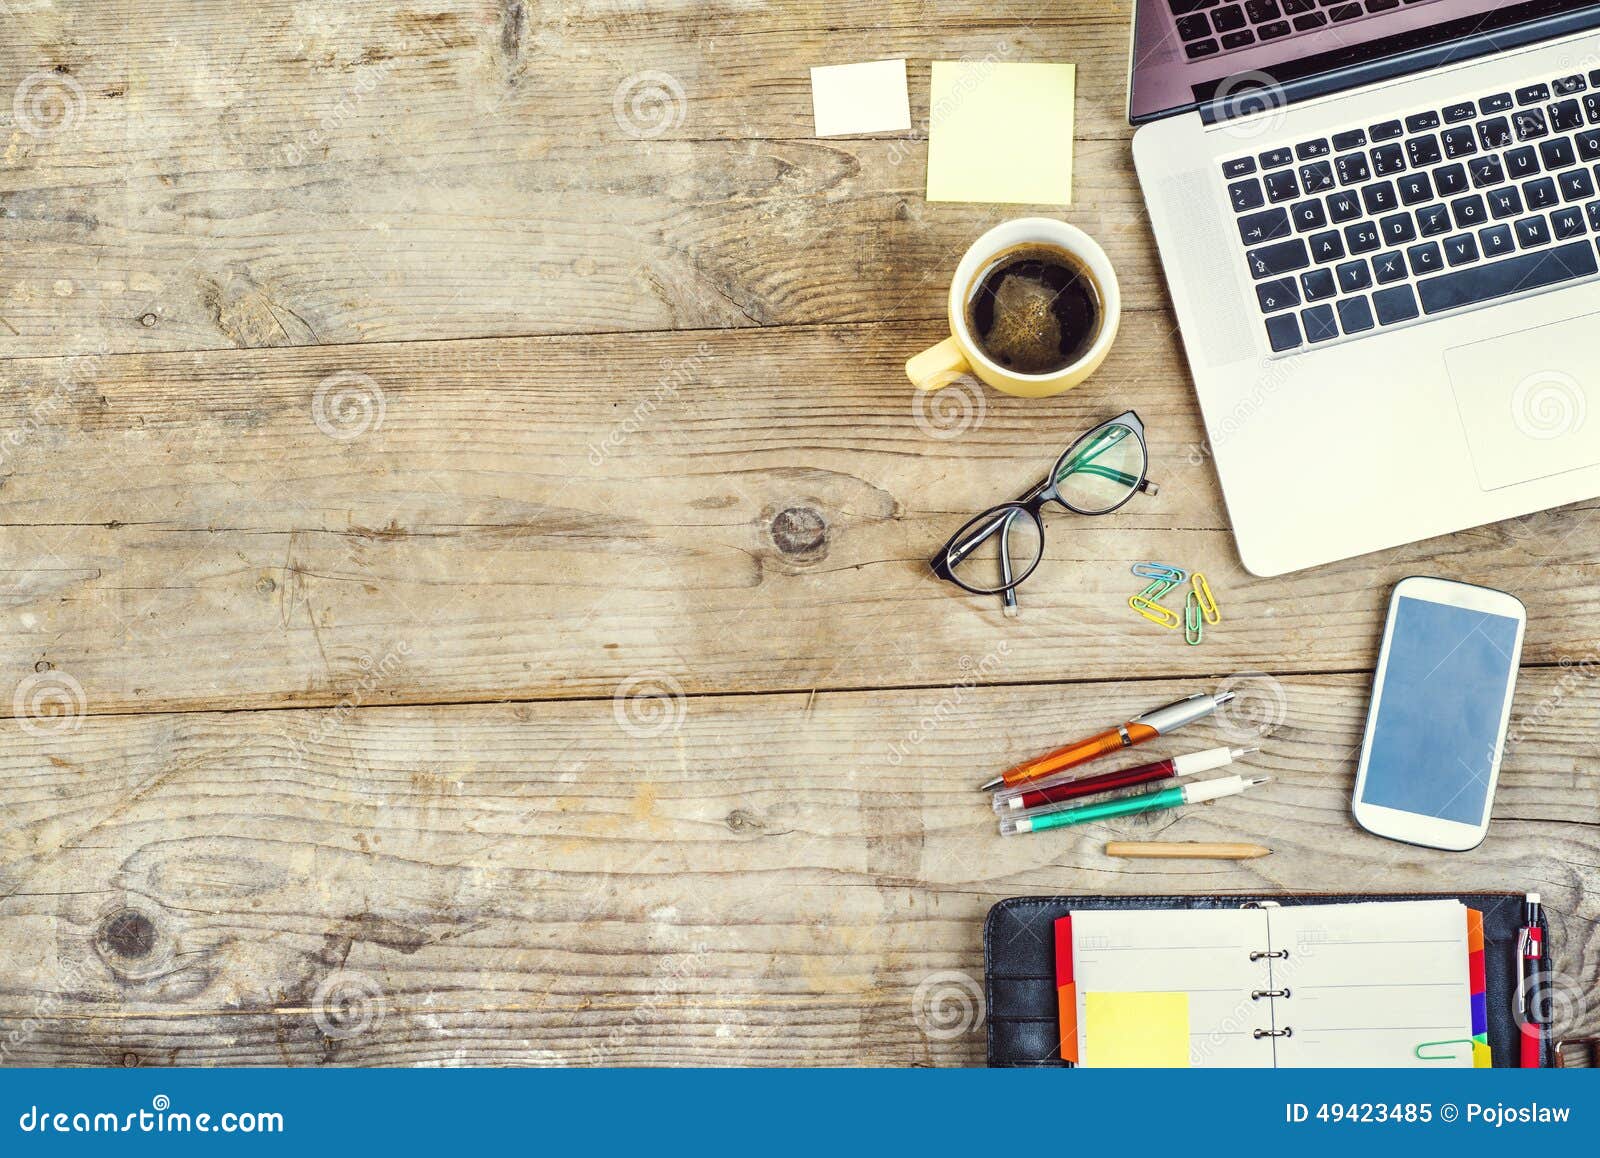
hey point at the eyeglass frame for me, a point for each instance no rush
(1032, 503)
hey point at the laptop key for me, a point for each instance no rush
(1261, 11)
(1343, 207)
(1387, 131)
(1282, 186)
(1268, 225)
(1319, 323)
(1379, 198)
(1395, 305)
(1486, 171)
(1576, 185)
(1458, 142)
(1566, 116)
(1530, 124)
(1362, 238)
(1504, 202)
(1497, 241)
(1342, 12)
(1533, 232)
(1388, 159)
(1241, 39)
(1355, 315)
(1522, 163)
(1499, 103)
(1568, 85)
(1317, 285)
(1309, 150)
(1272, 32)
(1326, 246)
(1460, 249)
(1309, 21)
(1588, 144)
(1316, 177)
(1465, 111)
(1541, 194)
(1557, 153)
(1308, 215)
(1397, 229)
(1534, 94)
(1424, 151)
(1495, 134)
(1497, 279)
(1354, 139)
(1591, 108)
(1276, 260)
(1354, 275)
(1201, 48)
(1193, 27)
(1388, 267)
(1229, 18)
(1451, 179)
(1352, 168)
(1593, 210)
(1246, 195)
(1277, 158)
(1415, 188)
(1240, 167)
(1433, 220)
(1283, 333)
(1422, 122)
(1425, 258)
(1280, 294)
(1467, 211)
(1567, 223)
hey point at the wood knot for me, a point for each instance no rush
(127, 935)
(741, 820)
(800, 533)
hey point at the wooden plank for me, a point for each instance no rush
(284, 174)
(727, 880)
(549, 517)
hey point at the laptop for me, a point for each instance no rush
(1380, 225)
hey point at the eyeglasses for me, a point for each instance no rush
(995, 552)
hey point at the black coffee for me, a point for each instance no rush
(1035, 310)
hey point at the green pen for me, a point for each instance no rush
(1041, 819)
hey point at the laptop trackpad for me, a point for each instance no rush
(1530, 401)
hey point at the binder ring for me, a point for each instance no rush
(1258, 994)
(1286, 1031)
(1260, 953)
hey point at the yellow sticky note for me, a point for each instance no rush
(1123, 1030)
(1001, 133)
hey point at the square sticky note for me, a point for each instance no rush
(860, 98)
(1001, 132)
(1138, 1030)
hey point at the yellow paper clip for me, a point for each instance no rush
(1193, 629)
(1208, 604)
(1154, 612)
(1160, 571)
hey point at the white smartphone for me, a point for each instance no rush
(1441, 700)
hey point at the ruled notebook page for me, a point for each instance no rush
(1368, 983)
(1149, 968)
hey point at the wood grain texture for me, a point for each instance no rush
(290, 173)
(727, 880)
(549, 517)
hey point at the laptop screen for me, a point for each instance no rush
(1186, 52)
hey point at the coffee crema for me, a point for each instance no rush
(1034, 309)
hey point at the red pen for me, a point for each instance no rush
(1058, 788)
(1530, 965)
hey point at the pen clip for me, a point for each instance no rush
(1522, 976)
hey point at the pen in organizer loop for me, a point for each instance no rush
(1070, 787)
(1139, 730)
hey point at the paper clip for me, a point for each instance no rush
(1208, 604)
(1193, 628)
(1154, 612)
(1160, 571)
(1466, 1041)
(1157, 590)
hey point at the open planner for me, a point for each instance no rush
(1397, 983)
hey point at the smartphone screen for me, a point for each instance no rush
(1434, 745)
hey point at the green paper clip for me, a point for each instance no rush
(1466, 1041)
(1160, 571)
(1156, 590)
(1193, 622)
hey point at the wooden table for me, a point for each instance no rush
(466, 534)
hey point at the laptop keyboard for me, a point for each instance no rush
(1211, 27)
(1438, 211)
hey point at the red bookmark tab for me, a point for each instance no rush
(1066, 990)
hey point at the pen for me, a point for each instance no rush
(1530, 961)
(1138, 730)
(1065, 787)
(1195, 793)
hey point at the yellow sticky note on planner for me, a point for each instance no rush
(1123, 1030)
(1001, 133)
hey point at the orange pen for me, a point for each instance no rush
(1136, 731)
